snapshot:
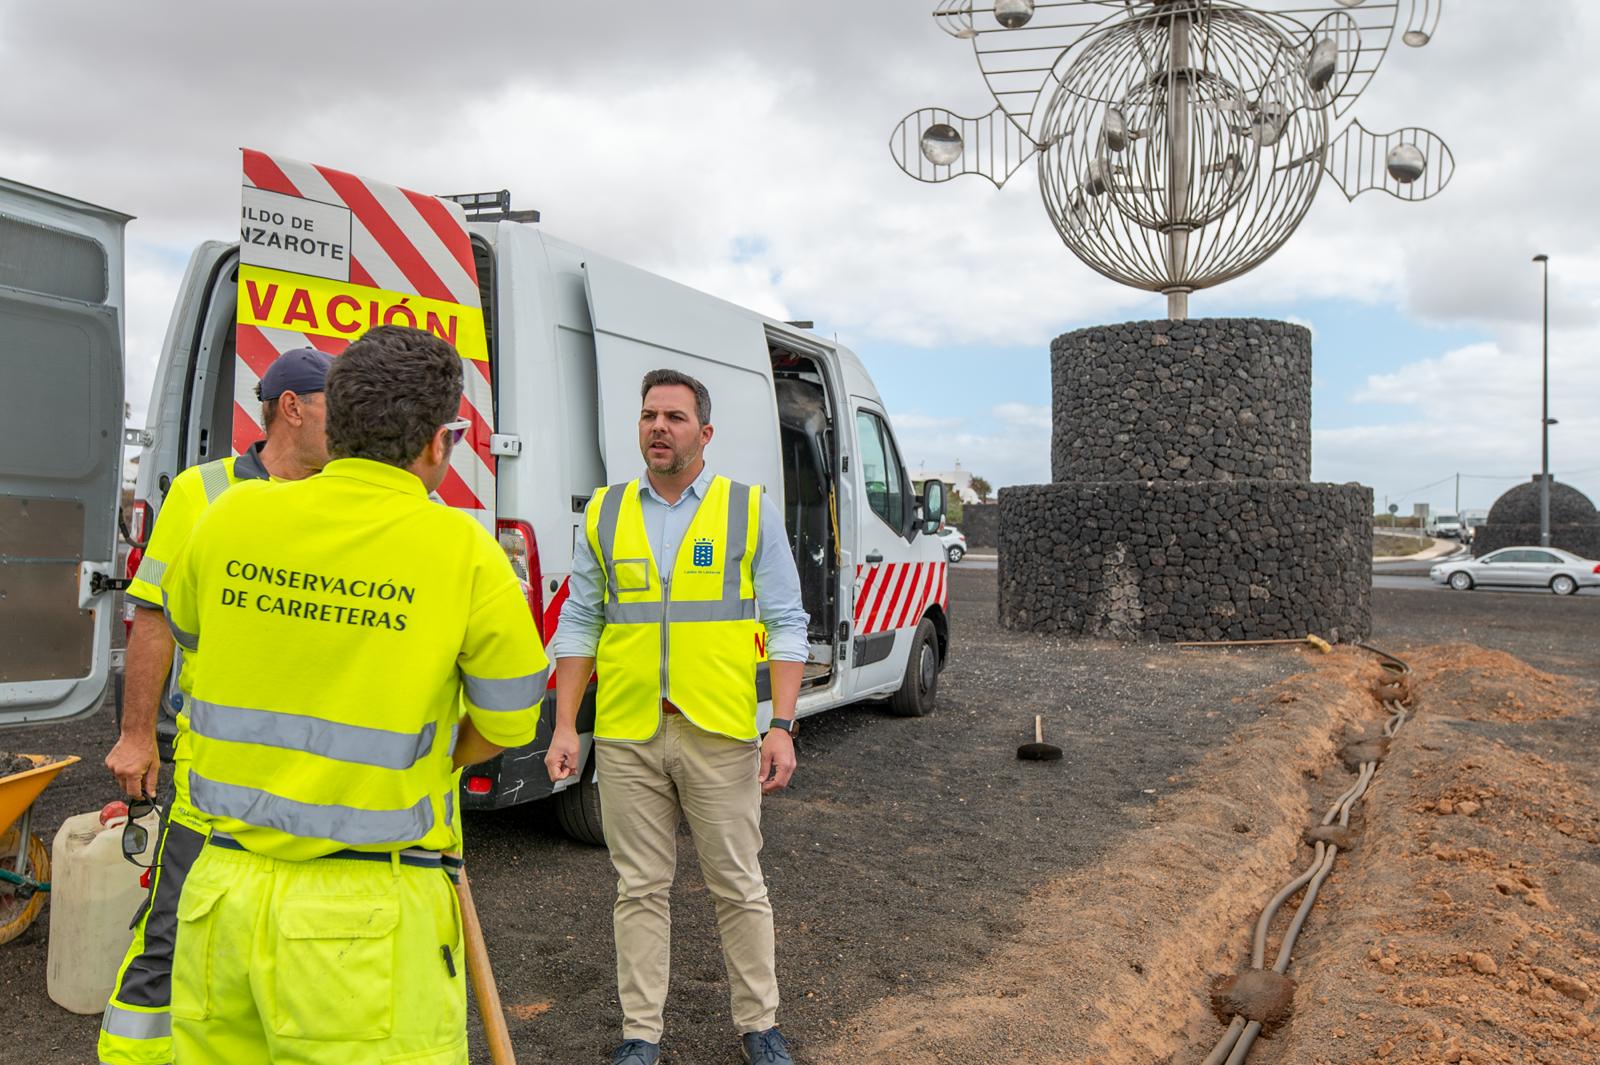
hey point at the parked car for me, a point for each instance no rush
(955, 543)
(1521, 567)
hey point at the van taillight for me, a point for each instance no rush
(143, 518)
(517, 540)
(135, 556)
(1597, 567)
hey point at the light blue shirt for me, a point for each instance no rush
(778, 602)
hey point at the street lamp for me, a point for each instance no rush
(1544, 421)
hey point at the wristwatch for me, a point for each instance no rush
(787, 724)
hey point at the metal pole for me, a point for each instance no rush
(1178, 158)
(1458, 502)
(1544, 419)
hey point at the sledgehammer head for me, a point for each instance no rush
(1038, 750)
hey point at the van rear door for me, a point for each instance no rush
(60, 466)
(643, 322)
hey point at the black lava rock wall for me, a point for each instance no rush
(1182, 509)
(1514, 521)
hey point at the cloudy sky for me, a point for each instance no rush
(741, 148)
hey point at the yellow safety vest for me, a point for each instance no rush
(343, 625)
(692, 639)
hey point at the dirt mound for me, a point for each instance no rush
(1466, 681)
(1465, 930)
(14, 763)
(1111, 966)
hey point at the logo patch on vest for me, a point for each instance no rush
(704, 552)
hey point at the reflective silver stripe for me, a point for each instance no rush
(342, 824)
(633, 613)
(310, 735)
(214, 478)
(738, 530)
(151, 570)
(449, 808)
(135, 1024)
(606, 527)
(714, 610)
(512, 693)
(186, 640)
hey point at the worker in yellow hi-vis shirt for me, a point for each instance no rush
(354, 645)
(136, 1028)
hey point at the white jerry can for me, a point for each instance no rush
(94, 893)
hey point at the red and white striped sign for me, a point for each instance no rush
(324, 256)
(895, 595)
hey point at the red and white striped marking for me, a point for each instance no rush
(401, 241)
(895, 595)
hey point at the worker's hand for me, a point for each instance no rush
(777, 761)
(561, 760)
(136, 765)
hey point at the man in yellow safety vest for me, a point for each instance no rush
(353, 645)
(136, 1028)
(678, 574)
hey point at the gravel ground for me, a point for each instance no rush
(905, 851)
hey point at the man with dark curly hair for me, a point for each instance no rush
(353, 645)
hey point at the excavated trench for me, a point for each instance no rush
(1429, 941)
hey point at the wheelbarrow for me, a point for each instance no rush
(24, 859)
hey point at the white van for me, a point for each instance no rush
(571, 333)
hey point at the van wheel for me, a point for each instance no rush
(920, 688)
(1562, 584)
(578, 813)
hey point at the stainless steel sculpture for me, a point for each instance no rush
(1179, 142)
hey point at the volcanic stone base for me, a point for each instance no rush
(1238, 560)
(1582, 540)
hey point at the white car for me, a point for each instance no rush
(1520, 567)
(955, 543)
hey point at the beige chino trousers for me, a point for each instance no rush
(711, 781)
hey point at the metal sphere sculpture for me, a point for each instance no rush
(1179, 142)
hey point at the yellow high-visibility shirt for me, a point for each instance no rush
(345, 623)
(190, 493)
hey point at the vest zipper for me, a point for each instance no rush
(666, 606)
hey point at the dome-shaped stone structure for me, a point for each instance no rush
(1514, 520)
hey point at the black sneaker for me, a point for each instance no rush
(765, 1048)
(638, 1052)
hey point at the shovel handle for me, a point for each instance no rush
(481, 976)
(1038, 728)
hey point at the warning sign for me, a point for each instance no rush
(292, 233)
(326, 255)
(276, 299)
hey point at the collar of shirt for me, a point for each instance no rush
(248, 466)
(378, 474)
(700, 486)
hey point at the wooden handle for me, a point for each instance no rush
(490, 1012)
(1038, 728)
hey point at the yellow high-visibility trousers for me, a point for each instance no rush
(331, 961)
(136, 1028)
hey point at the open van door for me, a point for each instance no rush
(643, 322)
(60, 470)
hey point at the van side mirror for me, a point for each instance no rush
(932, 507)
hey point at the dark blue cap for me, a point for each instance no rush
(301, 371)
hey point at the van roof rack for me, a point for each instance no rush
(491, 207)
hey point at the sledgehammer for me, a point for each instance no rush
(1038, 750)
(481, 975)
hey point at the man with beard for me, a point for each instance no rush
(677, 575)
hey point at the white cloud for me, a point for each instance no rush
(744, 152)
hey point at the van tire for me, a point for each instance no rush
(578, 812)
(919, 691)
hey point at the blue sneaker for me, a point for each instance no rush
(765, 1048)
(636, 1052)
